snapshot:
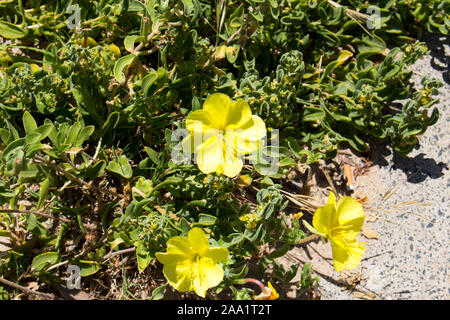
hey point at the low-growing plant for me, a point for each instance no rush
(94, 93)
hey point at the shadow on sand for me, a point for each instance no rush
(416, 169)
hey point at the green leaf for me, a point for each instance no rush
(87, 267)
(205, 220)
(72, 134)
(11, 31)
(287, 162)
(121, 166)
(239, 272)
(85, 99)
(84, 134)
(29, 123)
(44, 260)
(148, 81)
(129, 42)
(35, 227)
(120, 66)
(158, 293)
(111, 122)
(153, 155)
(44, 131)
(143, 255)
(280, 252)
(4, 135)
(43, 193)
(188, 6)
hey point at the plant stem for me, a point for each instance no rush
(115, 253)
(46, 215)
(308, 239)
(76, 179)
(349, 11)
(47, 296)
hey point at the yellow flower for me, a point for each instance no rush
(341, 224)
(190, 264)
(268, 294)
(298, 215)
(221, 133)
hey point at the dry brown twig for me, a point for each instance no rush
(47, 296)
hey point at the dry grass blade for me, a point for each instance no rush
(390, 192)
(330, 182)
(221, 15)
(305, 203)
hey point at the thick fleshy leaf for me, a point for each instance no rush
(121, 166)
(11, 31)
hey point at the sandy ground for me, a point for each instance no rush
(410, 258)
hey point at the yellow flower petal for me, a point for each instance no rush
(179, 245)
(341, 223)
(238, 114)
(217, 254)
(208, 275)
(217, 106)
(189, 263)
(168, 258)
(199, 121)
(248, 138)
(198, 240)
(216, 156)
(273, 293)
(178, 275)
(332, 198)
(232, 163)
(221, 133)
(324, 217)
(193, 142)
(346, 255)
(350, 213)
(209, 157)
